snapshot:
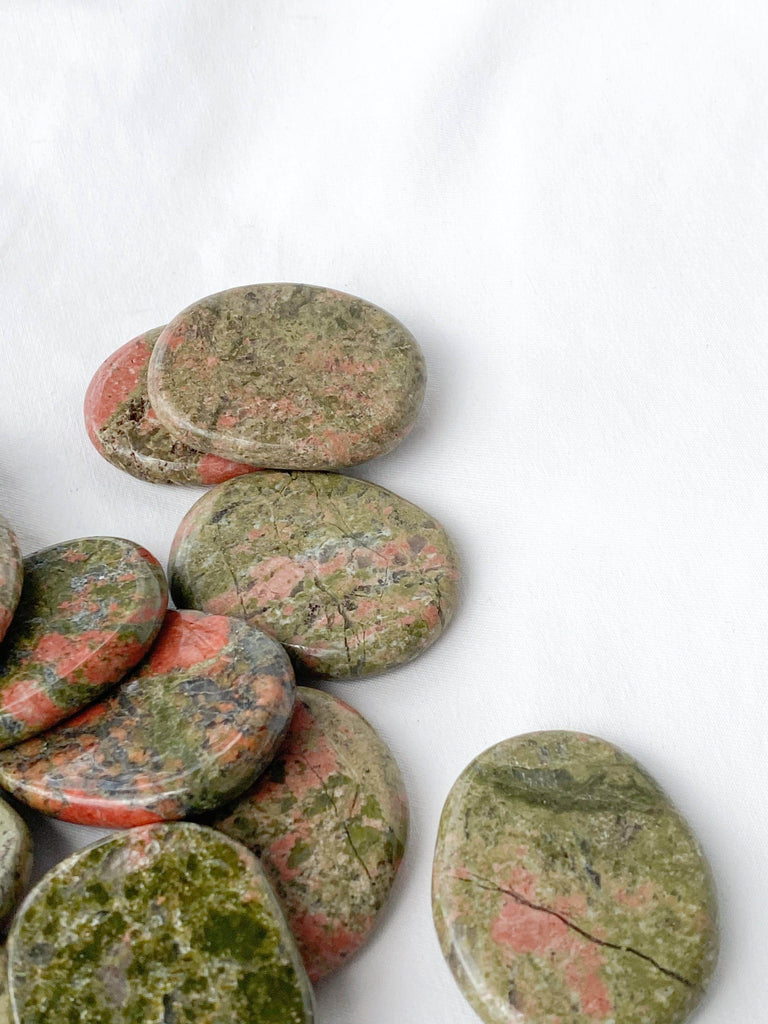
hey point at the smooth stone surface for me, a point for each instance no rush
(190, 728)
(568, 889)
(123, 426)
(173, 924)
(287, 376)
(89, 611)
(351, 578)
(329, 821)
(11, 575)
(15, 860)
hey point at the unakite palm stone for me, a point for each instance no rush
(329, 820)
(89, 611)
(190, 728)
(123, 427)
(568, 889)
(11, 574)
(287, 376)
(171, 923)
(351, 578)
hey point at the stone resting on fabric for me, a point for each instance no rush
(566, 887)
(287, 376)
(351, 578)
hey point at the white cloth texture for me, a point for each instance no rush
(566, 203)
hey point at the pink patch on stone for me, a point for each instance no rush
(112, 384)
(214, 469)
(186, 639)
(276, 577)
(27, 703)
(337, 943)
(520, 929)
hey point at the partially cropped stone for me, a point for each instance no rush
(287, 376)
(329, 820)
(567, 888)
(170, 923)
(15, 861)
(11, 575)
(351, 578)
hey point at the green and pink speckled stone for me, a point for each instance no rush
(568, 889)
(190, 728)
(89, 611)
(329, 820)
(287, 376)
(169, 923)
(124, 429)
(352, 579)
(11, 575)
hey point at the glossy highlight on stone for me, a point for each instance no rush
(351, 578)
(11, 575)
(124, 429)
(567, 888)
(287, 376)
(89, 611)
(190, 728)
(329, 820)
(15, 860)
(169, 923)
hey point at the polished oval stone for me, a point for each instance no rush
(351, 578)
(124, 428)
(170, 923)
(567, 888)
(329, 820)
(11, 575)
(89, 611)
(15, 860)
(287, 376)
(190, 728)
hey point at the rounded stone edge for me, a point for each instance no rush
(121, 814)
(303, 671)
(23, 856)
(8, 532)
(193, 468)
(197, 437)
(243, 853)
(487, 1009)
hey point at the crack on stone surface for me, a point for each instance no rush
(489, 886)
(231, 572)
(439, 603)
(341, 820)
(346, 623)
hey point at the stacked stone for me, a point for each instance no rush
(566, 887)
(118, 713)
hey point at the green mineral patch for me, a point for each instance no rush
(162, 923)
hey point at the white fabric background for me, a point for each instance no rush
(567, 203)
